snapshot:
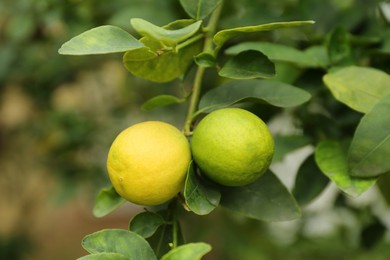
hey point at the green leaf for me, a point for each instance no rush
(266, 199)
(161, 100)
(100, 40)
(162, 240)
(223, 36)
(166, 36)
(358, 87)
(205, 60)
(383, 185)
(284, 144)
(201, 197)
(263, 91)
(104, 256)
(190, 251)
(339, 49)
(309, 183)
(120, 241)
(371, 142)
(276, 52)
(199, 9)
(248, 64)
(107, 201)
(331, 158)
(166, 65)
(146, 223)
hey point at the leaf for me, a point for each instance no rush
(266, 199)
(200, 197)
(383, 185)
(146, 223)
(224, 35)
(104, 256)
(120, 241)
(166, 36)
(161, 100)
(190, 251)
(286, 144)
(248, 64)
(371, 142)
(262, 91)
(199, 9)
(339, 49)
(205, 60)
(358, 87)
(100, 40)
(163, 238)
(107, 201)
(309, 183)
(331, 158)
(166, 65)
(276, 52)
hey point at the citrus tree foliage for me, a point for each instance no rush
(252, 71)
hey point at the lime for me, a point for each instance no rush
(147, 162)
(232, 146)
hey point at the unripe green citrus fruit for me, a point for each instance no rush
(232, 146)
(147, 162)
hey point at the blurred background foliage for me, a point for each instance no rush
(58, 116)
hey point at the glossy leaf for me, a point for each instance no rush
(107, 201)
(371, 142)
(190, 251)
(199, 9)
(120, 241)
(166, 36)
(146, 223)
(200, 197)
(286, 144)
(266, 199)
(359, 88)
(166, 65)
(100, 40)
(331, 158)
(263, 91)
(224, 35)
(205, 59)
(276, 52)
(309, 183)
(104, 256)
(161, 100)
(248, 64)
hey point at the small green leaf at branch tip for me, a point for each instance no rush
(100, 40)
(205, 59)
(190, 251)
(107, 201)
(249, 64)
(331, 158)
(200, 197)
(161, 100)
(168, 37)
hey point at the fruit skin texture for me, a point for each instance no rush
(147, 162)
(232, 146)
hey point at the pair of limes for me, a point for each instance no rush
(148, 162)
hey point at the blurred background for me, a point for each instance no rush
(59, 115)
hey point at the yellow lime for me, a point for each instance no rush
(147, 162)
(232, 146)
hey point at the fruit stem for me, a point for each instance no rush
(196, 89)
